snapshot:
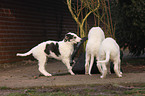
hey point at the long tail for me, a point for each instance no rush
(24, 54)
(107, 58)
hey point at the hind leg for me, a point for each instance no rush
(87, 63)
(117, 68)
(42, 61)
(91, 64)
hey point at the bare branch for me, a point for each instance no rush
(71, 11)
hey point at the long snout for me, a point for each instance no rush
(78, 39)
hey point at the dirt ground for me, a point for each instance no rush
(25, 74)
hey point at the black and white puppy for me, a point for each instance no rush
(60, 50)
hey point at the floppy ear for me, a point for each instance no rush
(66, 38)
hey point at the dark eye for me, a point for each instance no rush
(75, 37)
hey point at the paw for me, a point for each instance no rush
(90, 74)
(48, 75)
(121, 73)
(102, 77)
(86, 73)
(72, 74)
(120, 76)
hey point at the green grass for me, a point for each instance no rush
(135, 92)
(100, 90)
(4, 88)
(17, 94)
(41, 94)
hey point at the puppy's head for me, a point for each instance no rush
(71, 37)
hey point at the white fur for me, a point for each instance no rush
(65, 48)
(109, 50)
(95, 37)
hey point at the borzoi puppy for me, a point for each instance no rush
(61, 50)
(95, 38)
(109, 50)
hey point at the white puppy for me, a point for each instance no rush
(95, 38)
(109, 50)
(61, 50)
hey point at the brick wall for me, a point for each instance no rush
(25, 23)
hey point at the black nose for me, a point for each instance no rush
(84, 39)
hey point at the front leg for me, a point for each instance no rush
(104, 72)
(99, 67)
(67, 63)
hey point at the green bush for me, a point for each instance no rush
(129, 18)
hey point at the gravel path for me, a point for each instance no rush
(27, 76)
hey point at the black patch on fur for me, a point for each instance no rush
(52, 47)
(68, 37)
